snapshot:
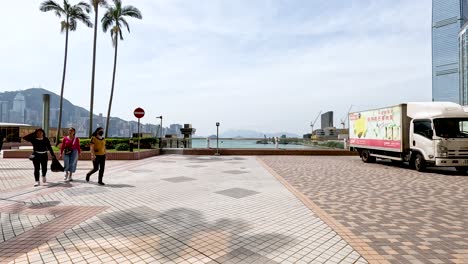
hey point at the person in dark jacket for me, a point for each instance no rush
(41, 145)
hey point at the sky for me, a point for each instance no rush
(264, 65)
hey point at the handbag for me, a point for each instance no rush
(68, 150)
(56, 166)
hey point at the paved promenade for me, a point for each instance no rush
(173, 209)
(403, 215)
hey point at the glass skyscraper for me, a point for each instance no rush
(448, 17)
(463, 52)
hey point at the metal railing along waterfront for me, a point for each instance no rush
(250, 143)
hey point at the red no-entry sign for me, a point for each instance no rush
(139, 112)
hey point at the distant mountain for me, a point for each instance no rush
(254, 134)
(33, 100)
(72, 115)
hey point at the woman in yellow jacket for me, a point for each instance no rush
(98, 154)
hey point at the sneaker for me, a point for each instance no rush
(44, 179)
(66, 177)
(101, 183)
(36, 184)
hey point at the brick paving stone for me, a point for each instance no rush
(140, 217)
(403, 215)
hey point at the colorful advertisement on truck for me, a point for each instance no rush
(379, 128)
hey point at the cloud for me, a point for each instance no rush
(269, 65)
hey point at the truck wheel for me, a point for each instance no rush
(462, 169)
(366, 157)
(419, 163)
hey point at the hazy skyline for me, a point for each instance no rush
(262, 65)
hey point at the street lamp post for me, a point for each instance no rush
(217, 139)
(161, 131)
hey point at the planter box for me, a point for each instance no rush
(120, 155)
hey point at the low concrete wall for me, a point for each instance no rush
(260, 152)
(121, 155)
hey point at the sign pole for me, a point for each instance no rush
(139, 113)
(138, 138)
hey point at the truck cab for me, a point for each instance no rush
(440, 141)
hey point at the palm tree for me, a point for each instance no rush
(71, 14)
(114, 19)
(96, 4)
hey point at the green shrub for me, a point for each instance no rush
(84, 143)
(145, 143)
(122, 147)
(112, 143)
(333, 144)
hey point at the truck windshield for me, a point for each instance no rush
(451, 127)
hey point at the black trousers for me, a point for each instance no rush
(40, 162)
(98, 164)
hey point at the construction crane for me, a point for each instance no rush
(313, 123)
(343, 120)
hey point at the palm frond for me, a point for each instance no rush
(131, 11)
(120, 33)
(72, 24)
(107, 20)
(84, 6)
(125, 23)
(115, 18)
(51, 5)
(84, 18)
(66, 6)
(118, 4)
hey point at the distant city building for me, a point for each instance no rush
(19, 106)
(448, 16)
(33, 117)
(327, 119)
(53, 116)
(4, 111)
(101, 121)
(174, 129)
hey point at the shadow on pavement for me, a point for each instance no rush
(449, 171)
(184, 228)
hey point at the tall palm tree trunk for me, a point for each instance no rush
(91, 106)
(113, 82)
(59, 128)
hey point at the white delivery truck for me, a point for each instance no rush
(423, 134)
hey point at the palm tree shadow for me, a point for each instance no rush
(186, 228)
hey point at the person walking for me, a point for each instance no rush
(98, 154)
(39, 157)
(70, 150)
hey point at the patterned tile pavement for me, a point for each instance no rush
(214, 210)
(404, 215)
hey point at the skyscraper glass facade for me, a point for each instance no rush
(448, 17)
(463, 52)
